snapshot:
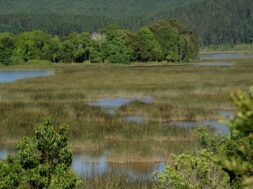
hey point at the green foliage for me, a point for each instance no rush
(116, 50)
(42, 161)
(177, 42)
(34, 45)
(7, 45)
(75, 47)
(227, 21)
(96, 47)
(243, 123)
(238, 150)
(95, 53)
(134, 42)
(193, 172)
(151, 48)
(225, 157)
(114, 45)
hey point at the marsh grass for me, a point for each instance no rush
(113, 181)
(179, 92)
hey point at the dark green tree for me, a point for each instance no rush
(177, 42)
(7, 45)
(42, 161)
(55, 48)
(115, 49)
(152, 50)
(133, 41)
(96, 47)
(238, 150)
(95, 53)
(35, 45)
(75, 47)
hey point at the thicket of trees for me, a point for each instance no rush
(225, 162)
(215, 22)
(163, 40)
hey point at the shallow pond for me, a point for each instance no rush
(134, 119)
(220, 127)
(4, 153)
(213, 64)
(217, 56)
(110, 106)
(87, 166)
(11, 76)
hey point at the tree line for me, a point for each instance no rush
(164, 40)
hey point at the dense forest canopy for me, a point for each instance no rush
(215, 22)
(110, 8)
(165, 40)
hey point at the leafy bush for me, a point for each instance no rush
(42, 161)
(189, 171)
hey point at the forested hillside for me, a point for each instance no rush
(215, 22)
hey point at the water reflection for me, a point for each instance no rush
(110, 106)
(213, 64)
(88, 167)
(217, 56)
(134, 119)
(11, 76)
(219, 126)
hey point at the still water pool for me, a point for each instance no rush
(87, 166)
(11, 76)
(218, 56)
(110, 106)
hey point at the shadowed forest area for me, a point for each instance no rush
(214, 22)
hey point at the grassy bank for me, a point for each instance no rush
(228, 47)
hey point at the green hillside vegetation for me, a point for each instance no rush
(163, 41)
(215, 22)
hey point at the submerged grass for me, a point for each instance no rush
(113, 181)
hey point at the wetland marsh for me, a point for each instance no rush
(125, 120)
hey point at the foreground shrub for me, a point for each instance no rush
(42, 161)
(189, 171)
(227, 162)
